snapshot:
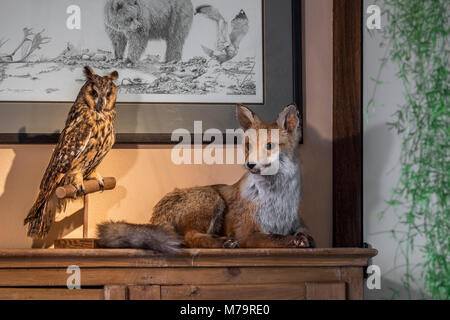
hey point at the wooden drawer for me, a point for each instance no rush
(234, 292)
(279, 291)
(50, 294)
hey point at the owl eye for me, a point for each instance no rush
(93, 93)
(109, 93)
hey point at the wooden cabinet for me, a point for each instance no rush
(233, 274)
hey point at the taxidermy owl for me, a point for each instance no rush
(227, 45)
(86, 139)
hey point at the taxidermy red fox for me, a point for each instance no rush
(259, 211)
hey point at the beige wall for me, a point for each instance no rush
(146, 173)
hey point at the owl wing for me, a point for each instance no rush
(72, 142)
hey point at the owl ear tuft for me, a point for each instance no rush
(89, 73)
(113, 75)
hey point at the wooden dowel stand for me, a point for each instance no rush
(69, 191)
(90, 186)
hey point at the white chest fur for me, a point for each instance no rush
(278, 198)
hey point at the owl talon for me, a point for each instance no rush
(81, 191)
(99, 179)
(101, 183)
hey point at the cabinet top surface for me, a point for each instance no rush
(184, 258)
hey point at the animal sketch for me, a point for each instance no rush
(134, 23)
(168, 51)
(227, 45)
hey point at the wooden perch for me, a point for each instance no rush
(90, 186)
(69, 191)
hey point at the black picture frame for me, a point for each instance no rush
(24, 137)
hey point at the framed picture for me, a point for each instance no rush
(179, 61)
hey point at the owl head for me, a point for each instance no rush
(100, 92)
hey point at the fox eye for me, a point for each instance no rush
(270, 146)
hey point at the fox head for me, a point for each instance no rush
(268, 143)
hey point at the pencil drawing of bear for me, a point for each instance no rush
(136, 22)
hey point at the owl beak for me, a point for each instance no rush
(100, 103)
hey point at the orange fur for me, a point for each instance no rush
(222, 215)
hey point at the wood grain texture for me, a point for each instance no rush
(347, 112)
(234, 292)
(115, 292)
(144, 292)
(325, 291)
(354, 278)
(50, 294)
(23, 258)
(167, 276)
(190, 274)
(90, 186)
(81, 243)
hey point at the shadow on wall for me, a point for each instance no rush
(379, 144)
(317, 189)
(381, 155)
(20, 191)
(22, 187)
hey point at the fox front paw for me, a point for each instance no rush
(302, 240)
(229, 243)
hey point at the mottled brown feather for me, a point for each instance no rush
(84, 142)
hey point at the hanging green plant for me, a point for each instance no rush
(417, 38)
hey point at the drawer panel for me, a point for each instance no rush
(50, 294)
(234, 292)
(325, 291)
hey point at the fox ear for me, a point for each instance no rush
(245, 117)
(289, 119)
(88, 72)
(113, 75)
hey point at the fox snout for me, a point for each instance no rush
(264, 165)
(250, 165)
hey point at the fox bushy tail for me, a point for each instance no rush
(138, 236)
